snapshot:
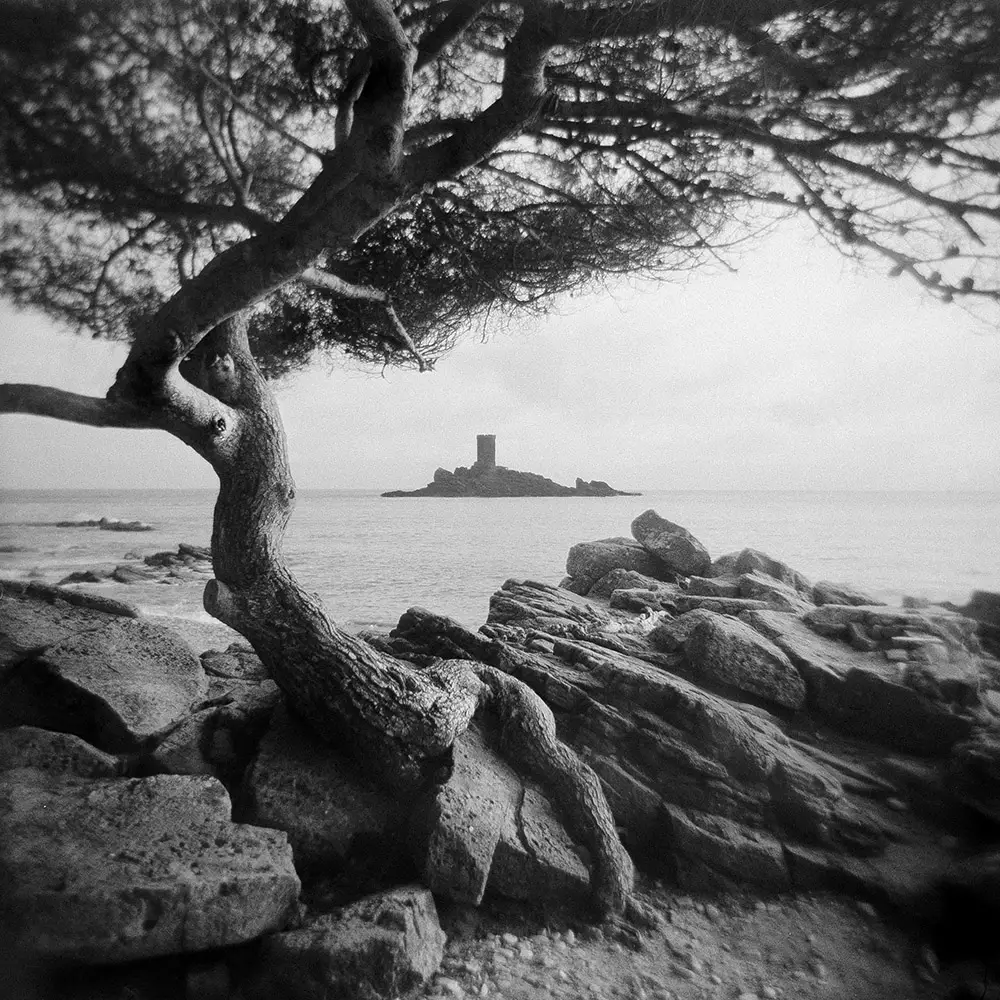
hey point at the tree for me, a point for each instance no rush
(227, 183)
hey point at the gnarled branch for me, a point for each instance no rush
(47, 401)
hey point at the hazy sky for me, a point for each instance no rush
(796, 373)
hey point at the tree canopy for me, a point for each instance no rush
(376, 176)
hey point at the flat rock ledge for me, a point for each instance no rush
(109, 678)
(112, 870)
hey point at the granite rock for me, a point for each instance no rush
(237, 662)
(675, 547)
(706, 586)
(485, 829)
(754, 561)
(34, 615)
(658, 740)
(113, 870)
(860, 692)
(221, 739)
(724, 651)
(719, 605)
(671, 634)
(382, 947)
(637, 599)
(589, 561)
(329, 810)
(115, 684)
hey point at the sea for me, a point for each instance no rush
(370, 558)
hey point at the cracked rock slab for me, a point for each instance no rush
(34, 615)
(108, 871)
(485, 828)
(859, 692)
(299, 784)
(114, 684)
(725, 651)
(383, 946)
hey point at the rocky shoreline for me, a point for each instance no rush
(761, 738)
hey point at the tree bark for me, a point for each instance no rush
(397, 721)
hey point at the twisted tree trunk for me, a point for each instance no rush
(398, 722)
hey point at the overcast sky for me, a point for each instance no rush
(795, 373)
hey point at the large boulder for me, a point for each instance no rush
(383, 946)
(485, 828)
(112, 870)
(330, 811)
(34, 615)
(536, 859)
(722, 650)
(456, 829)
(115, 684)
(675, 547)
(527, 601)
(589, 561)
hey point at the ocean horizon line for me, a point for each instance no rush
(377, 491)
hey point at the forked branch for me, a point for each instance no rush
(329, 282)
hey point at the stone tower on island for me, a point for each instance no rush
(486, 479)
(486, 451)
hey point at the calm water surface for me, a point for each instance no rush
(371, 557)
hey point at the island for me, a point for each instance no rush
(487, 479)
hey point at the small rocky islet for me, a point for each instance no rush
(807, 779)
(484, 478)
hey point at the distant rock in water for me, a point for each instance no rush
(107, 524)
(487, 479)
(188, 563)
